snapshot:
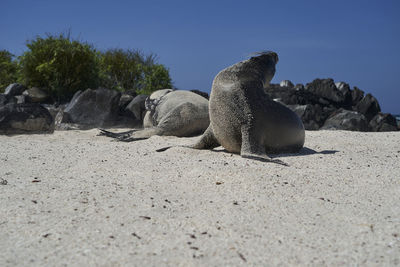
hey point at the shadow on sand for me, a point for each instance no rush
(305, 151)
(275, 157)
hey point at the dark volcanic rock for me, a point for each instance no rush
(356, 96)
(137, 107)
(20, 99)
(97, 108)
(322, 97)
(25, 118)
(326, 88)
(368, 106)
(7, 99)
(286, 83)
(14, 89)
(124, 100)
(54, 109)
(313, 116)
(307, 115)
(35, 95)
(3, 99)
(346, 120)
(291, 96)
(126, 117)
(203, 94)
(383, 123)
(344, 88)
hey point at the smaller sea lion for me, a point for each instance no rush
(168, 112)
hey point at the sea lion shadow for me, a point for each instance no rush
(305, 151)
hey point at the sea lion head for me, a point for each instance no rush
(152, 101)
(265, 63)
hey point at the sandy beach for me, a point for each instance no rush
(77, 199)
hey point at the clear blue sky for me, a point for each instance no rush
(353, 41)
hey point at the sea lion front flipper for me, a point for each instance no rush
(253, 149)
(207, 140)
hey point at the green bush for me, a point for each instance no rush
(59, 65)
(122, 69)
(130, 70)
(8, 69)
(155, 77)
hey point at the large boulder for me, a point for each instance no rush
(137, 107)
(35, 95)
(346, 120)
(96, 108)
(326, 89)
(25, 118)
(383, 122)
(14, 89)
(368, 106)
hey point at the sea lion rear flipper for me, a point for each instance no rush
(207, 140)
(115, 135)
(132, 135)
(252, 149)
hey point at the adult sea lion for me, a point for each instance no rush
(168, 112)
(244, 119)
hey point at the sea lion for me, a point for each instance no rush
(244, 119)
(168, 112)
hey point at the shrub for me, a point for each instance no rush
(8, 69)
(59, 65)
(155, 77)
(122, 69)
(130, 70)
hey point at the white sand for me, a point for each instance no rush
(104, 203)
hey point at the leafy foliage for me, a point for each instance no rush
(59, 65)
(8, 69)
(130, 70)
(155, 77)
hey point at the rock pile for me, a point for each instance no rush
(321, 104)
(324, 104)
(24, 110)
(20, 113)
